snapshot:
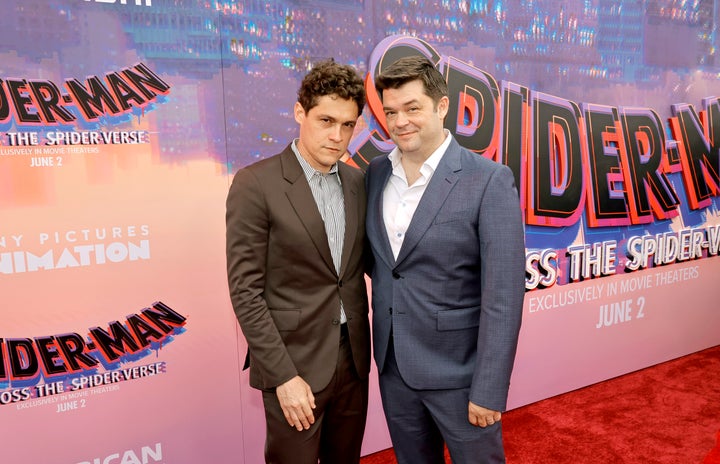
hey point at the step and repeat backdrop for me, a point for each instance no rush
(122, 123)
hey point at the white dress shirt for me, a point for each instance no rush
(400, 200)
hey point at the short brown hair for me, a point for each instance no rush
(330, 78)
(410, 68)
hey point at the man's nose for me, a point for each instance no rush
(336, 132)
(401, 119)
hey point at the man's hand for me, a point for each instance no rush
(482, 417)
(297, 402)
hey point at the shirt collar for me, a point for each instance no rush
(431, 163)
(308, 170)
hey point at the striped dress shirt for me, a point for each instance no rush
(328, 194)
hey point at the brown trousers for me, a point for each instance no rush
(340, 415)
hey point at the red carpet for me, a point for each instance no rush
(714, 456)
(665, 414)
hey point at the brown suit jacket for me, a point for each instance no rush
(283, 284)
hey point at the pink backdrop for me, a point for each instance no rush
(166, 196)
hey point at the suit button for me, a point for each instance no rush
(395, 275)
(340, 283)
(336, 321)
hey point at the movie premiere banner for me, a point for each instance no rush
(123, 121)
(117, 343)
(621, 213)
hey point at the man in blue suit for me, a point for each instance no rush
(448, 277)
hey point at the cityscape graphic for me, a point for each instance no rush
(250, 55)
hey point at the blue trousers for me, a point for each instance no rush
(422, 421)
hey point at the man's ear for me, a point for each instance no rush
(443, 107)
(299, 112)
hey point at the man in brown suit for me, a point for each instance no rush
(295, 234)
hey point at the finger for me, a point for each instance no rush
(306, 416)
(493, 419)
(311, 399)
(307, 408)
(303, 410)
(477, 421)
(296, 417)
(304, 423)
(294, 421)
(287, 415)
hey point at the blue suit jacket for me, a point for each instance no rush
(454, 295)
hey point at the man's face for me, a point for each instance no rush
(415, 123)
(325, 130)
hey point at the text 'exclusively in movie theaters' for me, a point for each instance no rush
(51, 149)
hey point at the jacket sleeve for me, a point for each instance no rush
(247, 229)
(502, 251)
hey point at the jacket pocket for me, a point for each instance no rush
(458, 319)
(286, 319)
(452, 216)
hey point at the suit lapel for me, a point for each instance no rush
(441, 183)
(303, 202)
(375, 221)
(351, 219)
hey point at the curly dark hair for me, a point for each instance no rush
(412, 68)
(330, 78)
